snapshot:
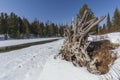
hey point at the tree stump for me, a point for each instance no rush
(75, 45)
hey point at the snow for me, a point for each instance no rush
(38, 63)
(1, 35)
(22, 41)
(27, 63)
(56, 69)
(113, 37)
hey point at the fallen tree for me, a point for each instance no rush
(75, 45)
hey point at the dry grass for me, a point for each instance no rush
(103, 56)
(103, 59)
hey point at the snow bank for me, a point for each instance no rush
(113, 37)
(21, 41)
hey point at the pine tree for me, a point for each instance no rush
(13, 26)
(37, 27)
(52, 29)
(81, 12)
(20, 28)
(47, 29)
(56, 30)
(61, 29)
(104, 28)
(33, 29)
(116, 20)
(109, 24)
(41, 29)
(90, 16)
(4, 25)
(26, 26)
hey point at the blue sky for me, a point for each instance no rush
(58, 11)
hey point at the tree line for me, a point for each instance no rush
(16, 27)
(111, 25)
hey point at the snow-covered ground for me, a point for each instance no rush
(27, 63)
(57, 69)
(21, 41)
(113, 37)
(62, 70)
(37, 63)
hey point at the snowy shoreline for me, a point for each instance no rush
(7, 43)
(25, 45)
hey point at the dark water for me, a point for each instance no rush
(15, 47)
